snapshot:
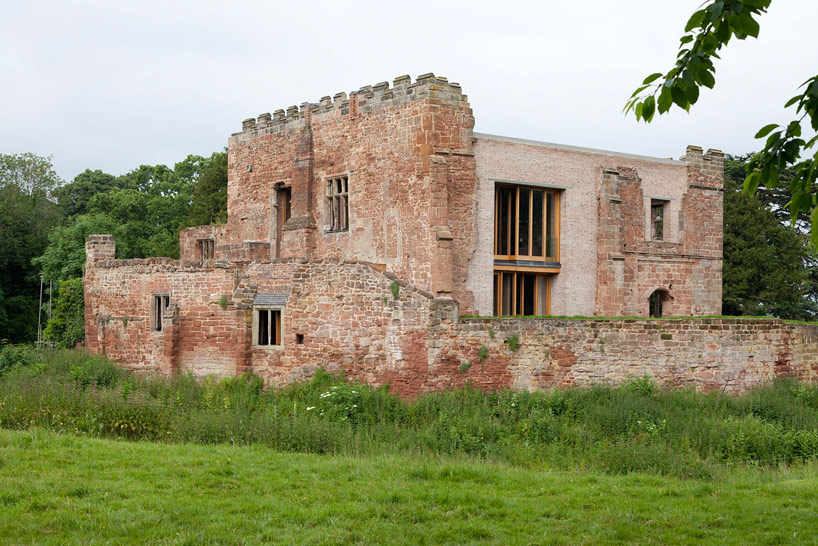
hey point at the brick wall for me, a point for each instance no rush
(406, 150)
(343, 315)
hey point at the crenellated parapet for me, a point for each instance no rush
(366, 99)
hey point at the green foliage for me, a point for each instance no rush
(513, 343)
(491, 332)
(74, 197)
(16, 357)
(210, 192)
(67, 326)
(767, 265)
(483, 352)
(26, 216)
(223, 302)
(709, 30)
(464, 367)
(644, 385)
(395, 287)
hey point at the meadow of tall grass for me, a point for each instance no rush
(635, 427)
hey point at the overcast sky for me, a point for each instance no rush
(111, 85)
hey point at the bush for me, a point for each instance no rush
(16, 356)
(635, 427)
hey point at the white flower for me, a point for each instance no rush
(310, 408)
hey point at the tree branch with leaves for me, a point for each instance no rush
(708, 30)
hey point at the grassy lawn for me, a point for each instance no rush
(65, 489)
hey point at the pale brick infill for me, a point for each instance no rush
(420, 222)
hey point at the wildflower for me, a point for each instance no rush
(310, 408)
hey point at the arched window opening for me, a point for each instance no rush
(655, 303)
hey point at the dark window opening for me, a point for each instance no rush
(657, 219)
(268, 327)
(655, 304)
(159, 304)
(299, 339)
(285, 205)
(337, 195)
(206, 249)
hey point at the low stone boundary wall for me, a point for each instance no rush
(708, 353)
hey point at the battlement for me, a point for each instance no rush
(366, 99)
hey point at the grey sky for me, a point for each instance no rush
(112, 85)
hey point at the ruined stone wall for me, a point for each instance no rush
(353, 317)
(189, 240)
(708, 354)
(407, 153)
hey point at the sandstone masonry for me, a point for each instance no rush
(361, 228)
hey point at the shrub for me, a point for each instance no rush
(16, 356)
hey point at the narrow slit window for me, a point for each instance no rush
(285, 205)
(337, 204)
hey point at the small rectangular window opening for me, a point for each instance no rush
(206, 249)
(158, 306)
(657, 219)
(337, 195)
(268, 327)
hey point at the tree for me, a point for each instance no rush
(67, 327)
(26, 216)
(765, 261)
(709, 30)
(75, 196)
(210, 193)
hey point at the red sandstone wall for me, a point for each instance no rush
(411, 213)
(350, 320)
(189, 240)
(709, 354)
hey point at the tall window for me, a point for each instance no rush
(518, 293)
(526, 224)
(206, 249)
(657, 219)
(266, 326)
(337, 192)
(159, 302)
(655, 304)
(285, 201)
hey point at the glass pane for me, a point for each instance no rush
(522, 231)
(536, 222)
(496, 309)
(263, 327)
(508, 293)
(542, 295)
(518, 300)
(529, 293)
(502, 221)
(550, 242)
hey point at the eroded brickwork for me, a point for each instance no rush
(378, 294)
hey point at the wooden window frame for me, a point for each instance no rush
(284, 200)
(539, 277)
(337, 203)
(207, 249)
(275, 322)
(513, 240)
(160, 301)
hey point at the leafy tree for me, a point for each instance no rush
(26, 216)
(765, 262)
(75, 196)
(709, 30)
(67, 327)
(210, 193)
(64, 258)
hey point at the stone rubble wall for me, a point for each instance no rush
(353, 317)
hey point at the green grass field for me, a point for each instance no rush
(65, 489)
